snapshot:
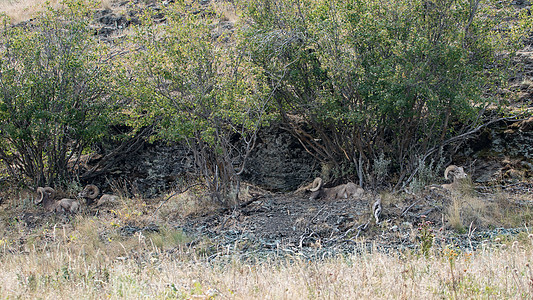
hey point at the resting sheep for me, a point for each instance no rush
(47, 195)
(457, 173)
(343, 191)
(91, 192)
(67, 205)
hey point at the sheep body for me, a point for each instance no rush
(67, 205)
(47, 195)
(343, 191)
(91, 192)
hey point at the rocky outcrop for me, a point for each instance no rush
(279, 162)
(502, 152)
(151, 171)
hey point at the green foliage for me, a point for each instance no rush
(372, 77)
(426, 174)
(54, 92)
(199, 91)
(379, 87)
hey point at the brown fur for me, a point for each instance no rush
(107, 199)
(67, 205)
(91, 192)
(343, 191)
(457, 174)
(47, 195)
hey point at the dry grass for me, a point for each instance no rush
(501, 209)
(226, 11)
(465, 210)
(178, 206)
(64, 271)
(23, 10)
(88, 257)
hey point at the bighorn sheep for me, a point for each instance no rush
(67, 205)
(64, 205)
(91, 192)
(46, 197)
(458, 174)
(341, 191)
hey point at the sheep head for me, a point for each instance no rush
(316, 185)
(47, 195)
(454, 171)
(316, 189)
(91, 191)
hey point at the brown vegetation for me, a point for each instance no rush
(90, 258)
(123, 254)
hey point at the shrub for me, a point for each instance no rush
(54, 92)
(402, 78)
(199, 91)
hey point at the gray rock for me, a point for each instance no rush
(279, 162)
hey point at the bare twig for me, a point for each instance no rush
(409, 207)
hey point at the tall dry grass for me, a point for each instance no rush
(468, 209)
(89, 256)
(23, 10)
(71, 266)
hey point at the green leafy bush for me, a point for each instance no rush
(54, 92)
(199, 91)
(370, 77)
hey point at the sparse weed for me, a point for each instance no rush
(381, 169)
(426, 174)
(451, 254)
(426, 236)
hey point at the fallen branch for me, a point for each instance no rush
(409, 207)
(255, 197)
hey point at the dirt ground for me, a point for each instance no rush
(294, 223)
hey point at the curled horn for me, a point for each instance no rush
(450, 168)
(91, 191)
(50, 192)
(316, 185)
